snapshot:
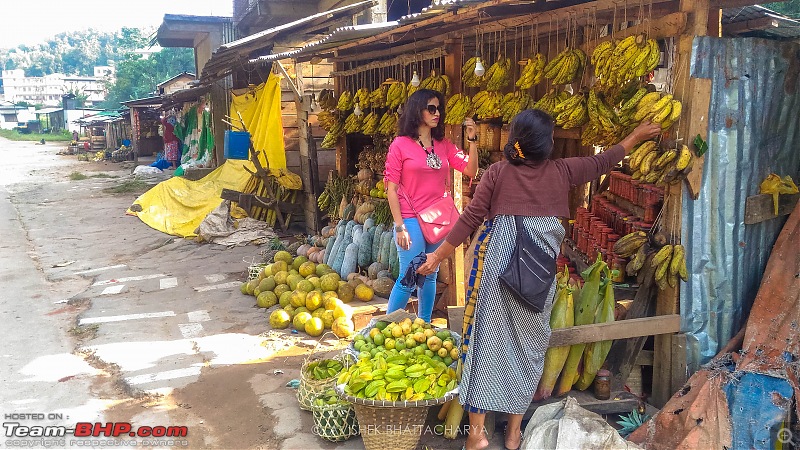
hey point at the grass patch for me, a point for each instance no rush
(103, 175)
(84, 332)
(75, 176)
(15, 135)
(128, 186)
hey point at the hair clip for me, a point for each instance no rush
(519, 150)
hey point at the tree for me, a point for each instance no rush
(789, 8)
(137, 76)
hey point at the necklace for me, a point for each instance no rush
(432, 159)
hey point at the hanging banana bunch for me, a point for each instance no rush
(572, 112)
(327, 101)
(550, 100)
(388, 124)
(652, 165)
(634, 56)
(512, 104)
(345, 101)
(457, 108)
(336, 131)
(327, 119)
(670, 264)
(370, 124)
(440, 83)
(499, 74)
(468, 74)
(396, 95)
(655, 107)
(487, 104)
(532, 72)
(602, 61)
(604, 127)
(566, 66)
(377, 98)
(352, 124)
(362, 98)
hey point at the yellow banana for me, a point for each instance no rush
(662, 255)
(684, 159)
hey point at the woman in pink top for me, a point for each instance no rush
(418, 171)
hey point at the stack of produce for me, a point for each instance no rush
(595, 305)
(337, 189)
(561, 316)
(402, 362)
(377, 98)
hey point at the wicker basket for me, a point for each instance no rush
(335, 422)
(309, 388)
(395, 425)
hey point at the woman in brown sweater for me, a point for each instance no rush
(504, 342)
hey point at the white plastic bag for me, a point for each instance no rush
(566, 425)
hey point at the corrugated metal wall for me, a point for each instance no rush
(754, 129)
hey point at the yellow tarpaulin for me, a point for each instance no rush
(256, 105)
(178, 206)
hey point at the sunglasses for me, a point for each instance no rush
(433, 108)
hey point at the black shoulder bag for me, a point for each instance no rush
(531, 271)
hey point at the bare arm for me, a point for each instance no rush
(403, 239)
(472, 165)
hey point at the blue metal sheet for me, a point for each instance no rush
(753, 130)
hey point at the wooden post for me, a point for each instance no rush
(452, 68)
(695, 100)
(341, 145)
(309, 171)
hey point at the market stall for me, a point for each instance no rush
(639, 234)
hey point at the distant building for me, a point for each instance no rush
(47, 90)
(176, 83)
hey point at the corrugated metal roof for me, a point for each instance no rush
(753, 127)
(48, 110)
(338, 37)
(780, 26)
(223, 58)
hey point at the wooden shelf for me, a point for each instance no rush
(622, 291)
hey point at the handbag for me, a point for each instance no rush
(436, 220)
(531, 271)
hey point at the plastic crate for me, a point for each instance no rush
(237, 144)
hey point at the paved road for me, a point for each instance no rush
(106, 319)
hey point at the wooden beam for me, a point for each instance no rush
(679, 374)
(758, 208)
(761, 23)
(624, 329)
(292, 85)
(453, 61)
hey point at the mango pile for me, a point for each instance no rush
(312, 297)
(405, 361)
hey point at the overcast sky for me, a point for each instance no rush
(33, 21)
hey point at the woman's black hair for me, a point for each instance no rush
(411, 118)
(530, 137)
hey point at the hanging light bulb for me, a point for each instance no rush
(400, 110)
(479, 69)
(415, 79)
(357, 110)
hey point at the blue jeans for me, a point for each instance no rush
(427, 294)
